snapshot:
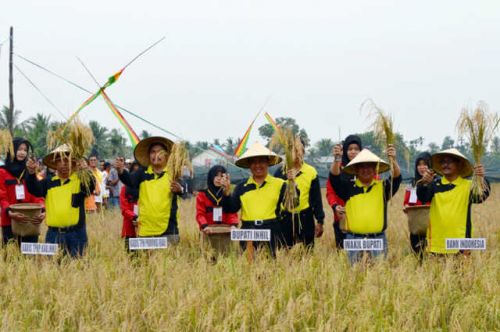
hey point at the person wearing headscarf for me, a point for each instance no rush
(130, 212)
(209, 209)
(451, 198)
(422, 164)
(13, 190)
(351, 146)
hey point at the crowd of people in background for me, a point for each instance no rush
(359, 186)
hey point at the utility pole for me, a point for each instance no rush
(11, 81)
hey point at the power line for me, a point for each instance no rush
(40, 91)
(90, 92)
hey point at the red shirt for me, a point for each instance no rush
(333, 199)
(204, 212)
(406, 201)
(127, 206)
(8, 184)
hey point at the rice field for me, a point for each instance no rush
(177, 289)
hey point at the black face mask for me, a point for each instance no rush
(215, 192)
(14, 166)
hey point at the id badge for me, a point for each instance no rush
(136, 209)
(413, 196)
(217, 214)
(20, 195)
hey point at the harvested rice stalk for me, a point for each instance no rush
(6, 145)
(293, 150)
(479, 127)
(79, 139)
(382, 128)
(178, 159)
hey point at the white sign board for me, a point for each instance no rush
(364, 245)
(466, 244)
(142, 243)
(46, 249)
(251, 235)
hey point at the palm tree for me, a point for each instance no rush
(9, 119)
(324, 147)
(230, 145)
(145, 134)
(118, 143)
(36, 129)
(101, 135)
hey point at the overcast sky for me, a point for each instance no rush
(318, 60)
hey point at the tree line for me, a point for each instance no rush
(111, 142)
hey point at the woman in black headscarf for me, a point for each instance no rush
(129, 208)
(13, 190)
(209, 209)
(422, 164)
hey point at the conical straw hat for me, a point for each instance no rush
(141, 151)
(465, 167)
(257, 150)
(366, 156)
(50, 159)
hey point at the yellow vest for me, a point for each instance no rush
(365, 210)
(260, 202)
(306, 175)
(64, 202)
(449, 214)
(156, 203)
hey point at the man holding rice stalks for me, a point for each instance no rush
(451, 198)
(365, 212)
(299, 226)
(64, 199)
(261, 197)
(158, 188)
(351, 147)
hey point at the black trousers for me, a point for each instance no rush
(339, 235)
(298, 228)
(276, 236)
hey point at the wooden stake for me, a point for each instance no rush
(250, 251)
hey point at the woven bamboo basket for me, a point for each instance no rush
(29, 228)
(418, 219)
(219, 240)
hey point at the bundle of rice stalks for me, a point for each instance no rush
(78, 138)
(293, 149)
(479, 127)
(382, 126)
(178, 160)
(6, 146)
